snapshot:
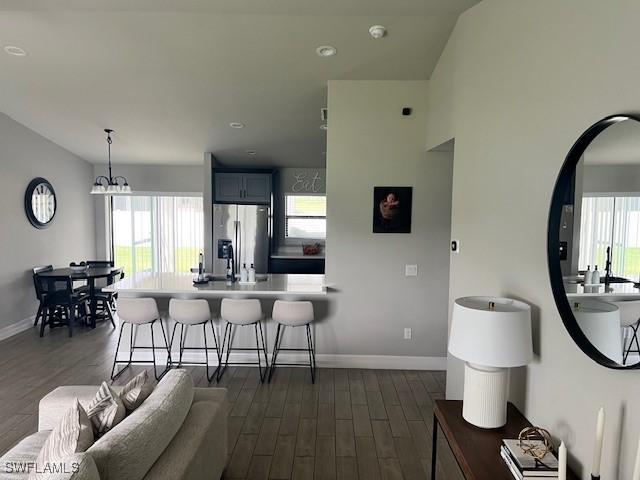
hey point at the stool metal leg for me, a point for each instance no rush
(153, 351)
(222, 368)
(312, 355)
(264, 350)
(115, 356)
(276, 347)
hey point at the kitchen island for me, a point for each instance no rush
(180, 285)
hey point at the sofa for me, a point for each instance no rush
(178, 432)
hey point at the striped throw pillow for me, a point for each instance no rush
(136, 391)
(106, 410)
(74, 434)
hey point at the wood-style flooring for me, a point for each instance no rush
(352, 424)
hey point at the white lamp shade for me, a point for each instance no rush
(498, 336)
(98, 189)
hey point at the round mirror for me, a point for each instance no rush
(594, 241)
(40, 203)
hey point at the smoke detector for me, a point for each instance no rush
(326, 51)
(15, 51)
(377, 31)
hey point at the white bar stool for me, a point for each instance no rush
(629, 322)
(190, 313)
(136, 312)
(293, 314)
(242, 313)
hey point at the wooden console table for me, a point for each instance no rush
(476, 450)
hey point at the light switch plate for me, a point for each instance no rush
(411, 270)
(407, 334)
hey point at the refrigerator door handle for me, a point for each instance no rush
(237, 252)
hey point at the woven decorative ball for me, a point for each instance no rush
(535, 442)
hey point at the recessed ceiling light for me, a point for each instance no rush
(377, 31)
(236, 125)
(324, 127)
(326, 51)
(15, 51)
(251, 152)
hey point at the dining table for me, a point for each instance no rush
(90, 275)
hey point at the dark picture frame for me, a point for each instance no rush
(392, 209)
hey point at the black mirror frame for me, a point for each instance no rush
(553, 239)
(28, 194)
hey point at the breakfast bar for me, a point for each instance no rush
(181, 285)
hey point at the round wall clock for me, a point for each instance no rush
(40, 203)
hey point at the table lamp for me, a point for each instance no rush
(491, 335)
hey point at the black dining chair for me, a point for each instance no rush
(39, 294)
(99, 263)
(105, 301)
(62, 304)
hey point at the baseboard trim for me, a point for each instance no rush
(378, 362)
(16, 328)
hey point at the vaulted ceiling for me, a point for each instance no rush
(170, 75)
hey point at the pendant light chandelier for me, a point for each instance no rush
(110, 185)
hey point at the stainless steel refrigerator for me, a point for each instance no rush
(249, 229)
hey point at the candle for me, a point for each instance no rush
(636, 468)
(597, 447)
(562, 462)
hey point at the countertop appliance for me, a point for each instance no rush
(248, 228)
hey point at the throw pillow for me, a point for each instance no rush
(106, 410)
(136, 391)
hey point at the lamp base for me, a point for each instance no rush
(485, 396)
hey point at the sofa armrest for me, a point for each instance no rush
(53, 405)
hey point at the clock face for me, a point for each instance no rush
(40, 203)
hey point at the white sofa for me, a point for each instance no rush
(179, 432)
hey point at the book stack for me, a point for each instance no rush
(524, 466)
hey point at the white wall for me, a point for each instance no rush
(25, 155)
(611, 178)
(145, 178)
(369, 144)
(519, 82)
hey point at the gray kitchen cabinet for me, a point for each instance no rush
(257, 187)
(238, 187)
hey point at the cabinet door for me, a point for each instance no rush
(257, 188)
(228, 187)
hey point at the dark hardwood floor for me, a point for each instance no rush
(366, 424)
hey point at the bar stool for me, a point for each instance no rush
(242, 313)
(293, 314)
(630, 323)
(136, 312)
(189, 313)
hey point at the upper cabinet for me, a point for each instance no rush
(238, 187)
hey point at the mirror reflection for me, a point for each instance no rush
(600, 242)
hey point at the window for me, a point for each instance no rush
(611, 221)
(306, 216)
(157, 233)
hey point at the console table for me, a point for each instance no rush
(476, 450)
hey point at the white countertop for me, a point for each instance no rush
(575, 290)
(181, 284)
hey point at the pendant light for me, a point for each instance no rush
(110, 185)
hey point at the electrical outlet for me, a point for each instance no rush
(455, 246)
(407, 334)
(411, 270)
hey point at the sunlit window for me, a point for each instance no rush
(306, 216)
(611, 222)
(157, 233)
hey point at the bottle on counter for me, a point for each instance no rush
(252, 273)
(595, 276)
(588, 275)
(201, 267)
(229, 276)
(244, 274)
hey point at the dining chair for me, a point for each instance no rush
(39, 294)
(62, 304)
(105, 301)
(99, 263)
